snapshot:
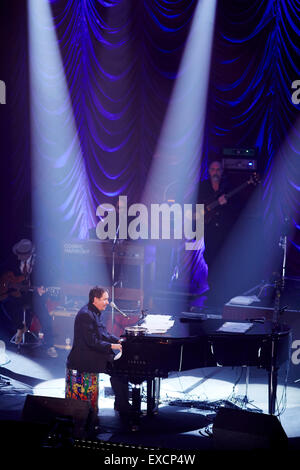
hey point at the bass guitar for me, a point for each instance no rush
(210, 209)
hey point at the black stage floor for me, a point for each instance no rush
(189, 404)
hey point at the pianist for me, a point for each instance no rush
(93, 352)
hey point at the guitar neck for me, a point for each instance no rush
(16, 285)
(236, 190)
(216, 203)
(24, 288)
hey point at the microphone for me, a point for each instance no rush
(113, 305)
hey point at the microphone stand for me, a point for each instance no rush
(113, 277)
(279, 286)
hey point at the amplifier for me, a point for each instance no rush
(63, 326)
(239, 164)
(128, 252)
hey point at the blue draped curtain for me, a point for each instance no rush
(121, 59)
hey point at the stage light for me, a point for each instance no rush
(61, 199)
(177, 156)
(176, 163)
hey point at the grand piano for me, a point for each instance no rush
(194, 342)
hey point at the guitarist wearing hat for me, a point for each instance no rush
(18, 296)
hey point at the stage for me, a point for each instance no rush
(151, 149)
(189, 403)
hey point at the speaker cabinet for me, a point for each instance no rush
(247, 430)
(49, 411)
(63, 327)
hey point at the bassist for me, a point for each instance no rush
(217, 226)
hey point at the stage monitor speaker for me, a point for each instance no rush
(235, 429)
(50, 411)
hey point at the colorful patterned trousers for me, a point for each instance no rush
(83, 386)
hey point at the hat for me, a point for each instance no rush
(23, 249)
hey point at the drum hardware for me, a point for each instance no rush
(28, 337)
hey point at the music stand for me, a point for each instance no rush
(279, 284)
(279, 287)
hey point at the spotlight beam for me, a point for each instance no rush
(61, 198)
(182, 131)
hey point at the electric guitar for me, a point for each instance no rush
(209, 209)
(14, 286)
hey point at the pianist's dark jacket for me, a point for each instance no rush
(91, 349)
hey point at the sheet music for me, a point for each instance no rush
(158, 323)
(244, 300)
(234, 327)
